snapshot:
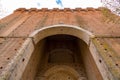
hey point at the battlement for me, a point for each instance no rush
(57, 9)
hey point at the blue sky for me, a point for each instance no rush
(10, 5)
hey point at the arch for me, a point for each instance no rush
(61, 29)
(31, 46)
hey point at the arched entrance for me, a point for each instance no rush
(60, 60)
(62, 48)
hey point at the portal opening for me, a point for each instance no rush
(61, 57)
(61, 49)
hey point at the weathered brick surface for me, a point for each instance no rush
(89, 19)
(22, 24)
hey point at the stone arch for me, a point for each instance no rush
(29, 50)
(61, 29)
(38, 37)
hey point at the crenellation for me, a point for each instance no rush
(44, 9)
(55, 9)
(67, 9)
(21, 9)
(90, 9)
(33, 10)
(78, 9)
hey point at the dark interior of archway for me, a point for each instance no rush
(61, 50)
(61, 46)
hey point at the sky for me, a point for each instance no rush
(9, 6)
